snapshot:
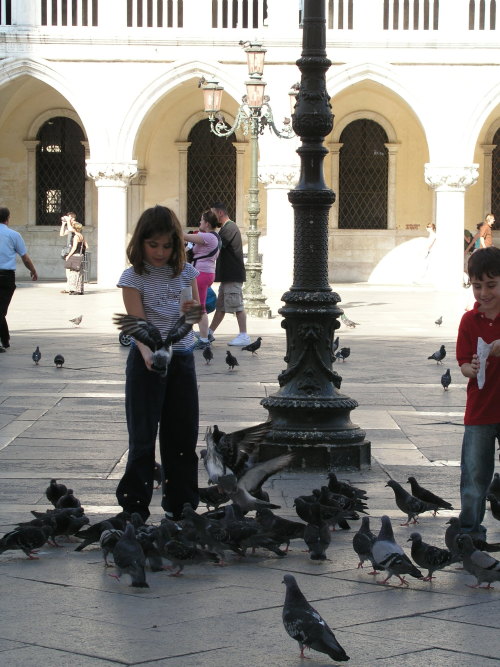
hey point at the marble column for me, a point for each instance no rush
(111, 180)
(277, 247)
(450, 184)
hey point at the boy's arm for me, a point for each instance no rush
(471, 370)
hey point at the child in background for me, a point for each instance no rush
(151, 289)
(482, 411)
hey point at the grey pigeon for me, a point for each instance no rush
(494, 487)
(317, 539)
(54, 491)
(149, 335)
(129, 558)
(212, 496)
(346, 489)
(494, 505)
(208, 355)
(108, 540)
(231, 360)
(349, 323)
(454, 530)
(68, 500)
(77, 320)
(25, 538)
(439, 355)
(439, 321)
(93, 533)
(408, 504)
(59, 360)
(311, 511)
(253, 347)
(303, 623)
(280, 529)
(429, 557)
(37, 355)
(446, 379)
(478, 563)
(427, 496)
(181, 553)
(390, 556)
(362, 543)
(343, 353)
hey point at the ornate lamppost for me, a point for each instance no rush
(309, 415)
(254, 115)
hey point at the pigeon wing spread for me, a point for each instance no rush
(140, 329)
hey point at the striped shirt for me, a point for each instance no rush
(160, 295)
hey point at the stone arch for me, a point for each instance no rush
(42, 118)
(341, 124)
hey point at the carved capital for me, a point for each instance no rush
(111, 174)
(279, 175)
(451, 178)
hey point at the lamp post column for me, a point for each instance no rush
(255, 301)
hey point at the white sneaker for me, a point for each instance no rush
(241, 339)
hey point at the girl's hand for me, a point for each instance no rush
(147, 354)
(187, 305)
(495, 349)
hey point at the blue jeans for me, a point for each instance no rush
(171, 403)
(477, 464)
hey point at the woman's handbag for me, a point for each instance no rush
(210, 300)
(74, 263)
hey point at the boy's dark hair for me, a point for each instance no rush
(219, 206)
(484, 262)
(4, 214)
(157, 221)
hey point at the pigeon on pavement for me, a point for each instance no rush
(439, 355)
(429, 557)
(453, 532)
(317, 539)
(182, 552)
(207, 353)
(25, 538)
(77, 320)
(446, 379)
(478, 563)
(129, 558)
(54, 491)
(149, 335)
(253, 347)
(343, 353)
(59, 360)
(427, 496)
(67, 500)
(303, 623)
(349, 323)
(345, 488)
(388, 555)
(439, 321)
(409, 504)
(494, 487)
(362, 543)
(231, 360)
(93, 533)
(108, 540)
(280, 529)
(37, 355)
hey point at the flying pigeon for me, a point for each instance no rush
(207, 353)
(439, 355)
(408, 504)
(362, 543)
(349, 323)
(25, 538)
(439, 321)
(478, 563)
(59, 360)
(427, 496)
(37, 355)
(231, 360)
(253, 347)
(446, 379)
(388, 555)
(77, 320)
(129, 558)
(149, 335)
(54, 491)
(494, 505)
(494, 487)
(343, 353)
(303, 623)
(429, 557)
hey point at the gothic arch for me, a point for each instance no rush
(52, 113)
(341, 124)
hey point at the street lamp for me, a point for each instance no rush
(253, 116)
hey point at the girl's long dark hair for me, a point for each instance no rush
(157, 221)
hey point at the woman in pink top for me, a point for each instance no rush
(206, 247)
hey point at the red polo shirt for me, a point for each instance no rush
(483, 405)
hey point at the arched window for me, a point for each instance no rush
(495, 177)
(211, 172)
(60, 171)
(363, 172)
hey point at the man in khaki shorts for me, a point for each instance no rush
(230, 273)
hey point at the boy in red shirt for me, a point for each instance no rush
(482, 411)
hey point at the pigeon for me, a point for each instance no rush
(335, 345)
(54, 491)
(439, 355)
(409, 504)
(108, 540)
(182, 552)
(362, 543)
(149, 335)
(231, 360)
(77, 320)
(429, 557)
(494, 505)
(59, 360)
(388, 555)
(311, 511)
(129, 558)
(303, 623)
(494, 487)
(212, 496)
(455, 530)
(483, 566)
(317, 539)
(343, 353)
(439, 321)
(345, 488)
(25, 538)
(427, 496)
(280, 529)
(93, 533)
(207, 353)
(446, 379)
(349, 323)
(37, 355)
(253, 347)
(67, 500)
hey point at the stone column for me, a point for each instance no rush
(487, 174)
(450, 184)
(111, 181)
(277, 263)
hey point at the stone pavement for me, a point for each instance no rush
(64, 609)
